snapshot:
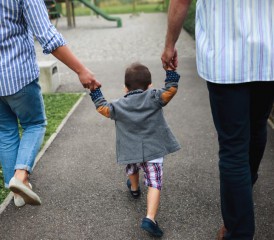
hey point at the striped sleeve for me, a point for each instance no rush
(36, 16)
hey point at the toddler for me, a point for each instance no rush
(143, 137)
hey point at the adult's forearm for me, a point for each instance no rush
(176, 14)
(85, 76)
(65, 55)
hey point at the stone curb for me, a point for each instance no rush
(8, 199)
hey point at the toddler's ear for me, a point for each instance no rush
(150, 85)
(126, 89)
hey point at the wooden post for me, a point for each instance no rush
(134, 6)
(68, 4)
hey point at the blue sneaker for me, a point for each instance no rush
(151, 227)
(134, 194)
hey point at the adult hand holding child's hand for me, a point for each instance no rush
(88, 79)
(170, 58)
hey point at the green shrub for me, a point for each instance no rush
(189, 24)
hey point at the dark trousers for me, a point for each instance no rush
(240, 113)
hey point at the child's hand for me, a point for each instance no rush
(170, 68)
(94, 90)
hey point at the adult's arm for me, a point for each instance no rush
(86, 77)
(36, 17)
(176, 14)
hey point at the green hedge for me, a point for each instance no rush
(189, 24)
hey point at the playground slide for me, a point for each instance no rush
(101, 13)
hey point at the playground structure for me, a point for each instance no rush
(54, 8)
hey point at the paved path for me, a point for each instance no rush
(83, 189)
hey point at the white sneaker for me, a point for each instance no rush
(30, 197)
(18, 200)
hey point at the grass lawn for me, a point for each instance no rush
(128, 8)
(57, 107)
(118, 9)
(3, 192)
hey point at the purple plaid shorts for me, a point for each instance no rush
(153, 173)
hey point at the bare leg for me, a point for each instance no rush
(153, 179)
(134, 179)
(22, 175)
(153, 201)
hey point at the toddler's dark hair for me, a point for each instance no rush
(137, 76)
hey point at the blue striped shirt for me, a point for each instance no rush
(19, 21)
(235, 40)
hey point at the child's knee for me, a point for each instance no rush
(154, 185)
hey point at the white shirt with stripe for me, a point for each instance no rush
(19, 21)
(235, 40)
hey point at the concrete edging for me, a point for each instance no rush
(8, 199)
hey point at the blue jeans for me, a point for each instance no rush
(240, 113)
(25, 107)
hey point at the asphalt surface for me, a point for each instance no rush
(82, 188)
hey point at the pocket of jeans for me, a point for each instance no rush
(28, 104)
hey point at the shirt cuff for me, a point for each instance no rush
(172, 76)
(96, 94)
(56, 40)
